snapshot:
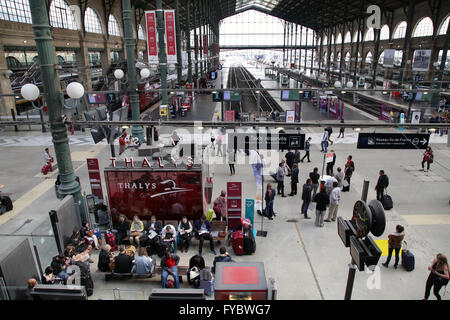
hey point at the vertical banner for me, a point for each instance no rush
(171, 45)
(250, 213)
(152, 47)
(388, 61)
(229, 115)
(421, 61)
(205, 44)
(234, 205)
(297, 111)
(94, 177)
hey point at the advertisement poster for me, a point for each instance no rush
(94, 177)
(290, 116)
(415, 119)
(152, 48)
(388, 61)
(421, 60)
(385, 112)
(229, 115)
(205, 44)
(171, 49)
(234, 204)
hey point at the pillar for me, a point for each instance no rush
(6, 103)
(178, 32)
(162, 51)
(83, 66)
(188, 40)
(106, 58)
(406, 44)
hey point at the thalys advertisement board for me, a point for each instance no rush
(168, 194)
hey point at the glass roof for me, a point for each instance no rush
(263, 4)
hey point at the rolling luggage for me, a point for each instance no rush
(46, 168)
(111, 240)
(6, 201)
(237, 242)
(408, 260)
(249, 242)
(387, 202)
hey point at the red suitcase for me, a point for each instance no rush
(46, 168)
(237, 242)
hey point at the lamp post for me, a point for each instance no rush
(50, 79)
(137, 131)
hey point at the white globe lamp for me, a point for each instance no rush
(75, 90)
(171, 67)
(30, 92)
(145, 73)
(118, 74)
(350, 84)
(338, 84)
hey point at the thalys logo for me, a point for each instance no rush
(171, 188)
(165, 187)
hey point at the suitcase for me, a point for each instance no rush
(6, 201)
(237, 242)
(111, 240)
(249, 242)
(206, 282)
(387, 202)
(46, 168)
(408, 260)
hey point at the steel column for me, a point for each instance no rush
(406, 43)
(52, 91)
(178, 32)
(375, 58)
(162, 51)
(188, 40)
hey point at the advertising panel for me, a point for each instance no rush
(168, 195)
(421, 61)
(152, 48)
(171, 45)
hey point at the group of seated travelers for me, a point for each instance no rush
(159, 239)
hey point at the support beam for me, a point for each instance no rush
(406, 43)
(162, 51)
(52, 91)
(188, 40)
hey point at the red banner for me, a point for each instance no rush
(169, 20)
(217, 48)
(229, 115)
(152, 48)
(94, 177)
(234, 204)
(205, 44)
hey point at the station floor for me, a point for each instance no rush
(306, 262)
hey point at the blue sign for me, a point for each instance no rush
(219, 67)
(250, 213)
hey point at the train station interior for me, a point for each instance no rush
(304, 145)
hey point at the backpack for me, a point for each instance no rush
(330, 131)
(209, 215)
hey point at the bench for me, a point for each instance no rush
(182, 271)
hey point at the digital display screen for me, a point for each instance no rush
(97, 98)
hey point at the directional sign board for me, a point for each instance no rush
(231, 96)
(393, 141)
(264, 141)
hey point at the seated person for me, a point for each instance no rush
(169, 266)
(196, 263)
(153, 227)
(143, 263)
(202, 230)
(169, 236)
(103, 217)
(59, 267)
(136, 230)
(223, 257)
(48, 277)
(75, 237)
(185, 233)
(123, 262)
(104, 259)
(122, 228)
(86, 232)
(69, 252)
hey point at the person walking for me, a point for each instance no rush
(306, 197)
(269, 198)
(48, 159)
(322, 200)
(297, 157)
(220, 206)
(439, 276)
(314, 176)
(335, 198)
(307, 148)
(324, 143)
(280, 179)
(348, 172)
(395, 244)
(339, 176)
(341, 130)
(219, 142)
(428, 157)
(382, 183)
(231, 161)
(122, 144)
(294, 180)
(330, 165)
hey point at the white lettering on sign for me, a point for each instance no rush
(129, 162)
(374, 20)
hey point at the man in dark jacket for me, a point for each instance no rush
(294, 180)
(314, 176)
(223, 257)
(330, 165)
(154, 225)
(290, 156)
(323, 200)
(59, 267)
(123, 262)
(122, 228)
(169, 266)
(202, 231)
(383, 182)
(307, 148)
(306, 197)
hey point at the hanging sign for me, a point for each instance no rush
(205, 44)
(171, 45)
(152, 48)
